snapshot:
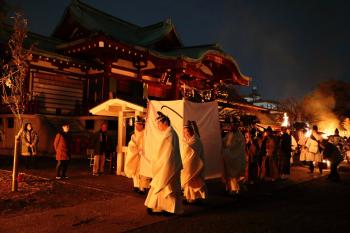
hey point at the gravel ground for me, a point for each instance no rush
(38, 194)
(315, 206)
(83, 203)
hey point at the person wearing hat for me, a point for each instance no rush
(336, 140)
(192, 175)
(234, 159)
(133, 158)
(62, 146)
(165, 195)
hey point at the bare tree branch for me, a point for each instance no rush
(14, 72)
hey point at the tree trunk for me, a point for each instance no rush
(15, 162)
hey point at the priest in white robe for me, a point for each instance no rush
(234, 159)
(133, 158)
(314, 154)
(192, 175)
(302, 144)
(165, 192)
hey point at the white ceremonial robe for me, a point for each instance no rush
(234, 159)
(313, 153)
(165, 192)
(294, 147)
(303, 149)
(133, 160)
(192, 175)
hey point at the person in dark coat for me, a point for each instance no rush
(103, 146)
(62, 146)
(29, 143)
(285, 153)
(252, 158)
(269, 170)
(332, 153)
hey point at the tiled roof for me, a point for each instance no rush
(95, 20)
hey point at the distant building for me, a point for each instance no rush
(255, 98)
(268, 104)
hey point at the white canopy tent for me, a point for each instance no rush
(123, 110)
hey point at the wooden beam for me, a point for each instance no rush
(121, 142)
(115, 109)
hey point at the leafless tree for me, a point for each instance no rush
(14, 73)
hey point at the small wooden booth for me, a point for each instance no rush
(124, 110)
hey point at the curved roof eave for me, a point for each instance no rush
(246, 79)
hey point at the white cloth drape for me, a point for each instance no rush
(180, 111)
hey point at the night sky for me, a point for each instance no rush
(287, 47)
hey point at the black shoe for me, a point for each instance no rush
(167, 214)
(335, 179)
(199, 202)
(150, 212)
(141, 192)
(234, 193)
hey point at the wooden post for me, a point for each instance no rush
(105, 80)
(176, 86)
(121, 142)
(15, 163)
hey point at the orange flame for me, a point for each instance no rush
(285, 122)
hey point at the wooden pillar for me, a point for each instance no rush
(176, 86)
(105, 80)
(121, 143)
